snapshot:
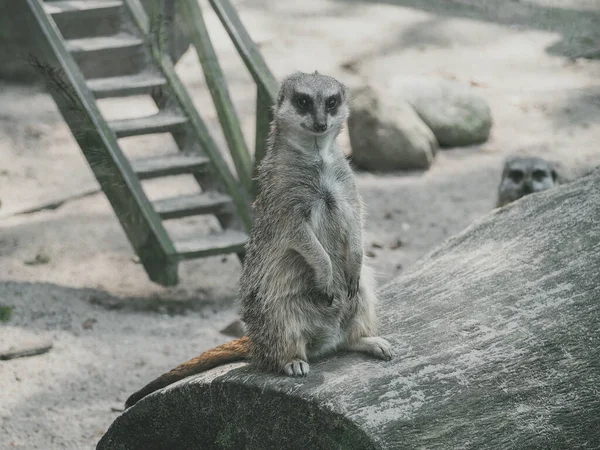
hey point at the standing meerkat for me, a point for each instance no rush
(305, 289)
(524, 175)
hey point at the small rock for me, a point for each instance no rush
(370, 254)
(224, 259)
(5, 313)
(376, 244)
(351, 66)
(88, 324)
(476, 83)
(35, 131)
(135, 259)
(105, 300)
(456, 114)
(40, 258)
(399, 267)
(387, 134)
(29, 347)
(236, 329)
(397, 244)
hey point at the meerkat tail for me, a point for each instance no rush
(237, 350)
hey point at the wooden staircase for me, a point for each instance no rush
(95, 49)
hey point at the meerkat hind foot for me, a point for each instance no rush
(374, 345)
(296, 368)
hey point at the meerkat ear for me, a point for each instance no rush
(316, 73)
(554, 175)
(345, 91)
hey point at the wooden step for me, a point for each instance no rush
(86, 18)
(161, 122)
(94, 44)
(141, 83)
(191, 205)
(229, 241)
(64, 6)
(109, 56)
(163, 166)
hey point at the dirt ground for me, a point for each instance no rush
(113, 330)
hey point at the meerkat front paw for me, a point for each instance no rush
(379, 347)
(329, 291)
(375, 346)
(296, 368)
(353, 286)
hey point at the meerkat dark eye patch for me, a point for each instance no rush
(539, 174)
(302, 102)
(331, 102)
(516, 175)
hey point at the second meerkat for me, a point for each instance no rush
(305, 288)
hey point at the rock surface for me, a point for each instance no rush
(497, 334)
(387, 135)
(456, 114)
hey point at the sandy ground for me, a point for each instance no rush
(113, 330)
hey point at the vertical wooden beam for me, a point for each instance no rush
(245, 46)
(215, 79)
(239, 195)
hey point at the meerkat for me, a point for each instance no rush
(305, 288)
(524, 175)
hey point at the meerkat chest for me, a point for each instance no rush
(333, 202)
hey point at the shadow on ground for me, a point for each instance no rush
(579, 28)
(99, 356)
(580, 107)
(169, 302)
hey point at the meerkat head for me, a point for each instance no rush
(523, 176)
(312, 104)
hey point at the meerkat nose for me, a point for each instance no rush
(320, 127)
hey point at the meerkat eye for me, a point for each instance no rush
(516, 175)
(331, 102)
(302, 102)
(539, 174)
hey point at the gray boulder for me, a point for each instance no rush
(388, 135)
(456, 114)
(497, 334)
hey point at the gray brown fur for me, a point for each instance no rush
(524, 175)
(305, 289)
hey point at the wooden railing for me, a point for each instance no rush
(190, 14)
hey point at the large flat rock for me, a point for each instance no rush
(497, 334)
